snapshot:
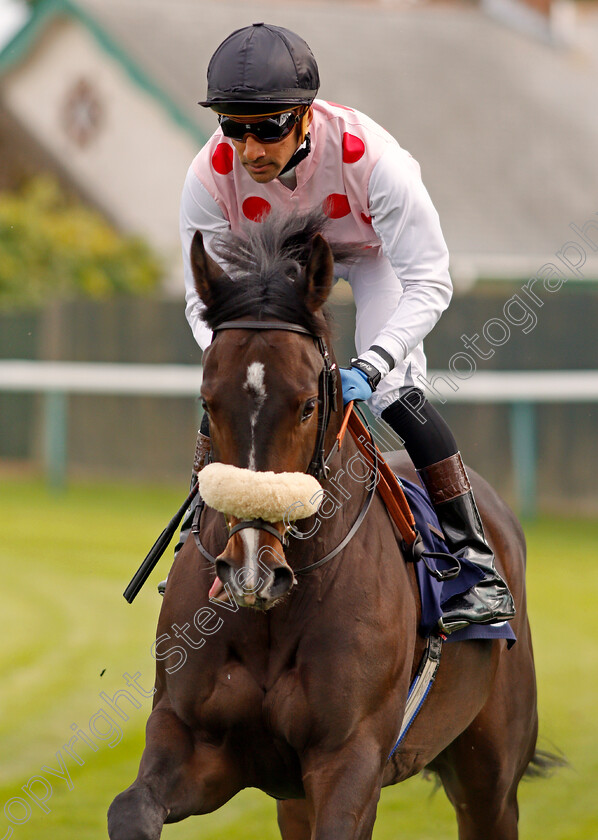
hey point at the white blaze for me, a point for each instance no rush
(250, 539)
(254, 383)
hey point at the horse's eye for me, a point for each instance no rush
(204, 405)
(308, 409)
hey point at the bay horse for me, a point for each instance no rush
(298, 685)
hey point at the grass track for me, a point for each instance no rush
(64, 622)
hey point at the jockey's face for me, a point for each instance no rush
(265, 161)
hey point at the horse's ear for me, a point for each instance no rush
(319, 273)
(205, 270)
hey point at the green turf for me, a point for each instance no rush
(69, 635)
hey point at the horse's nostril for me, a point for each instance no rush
(282, 582)
(224, 570)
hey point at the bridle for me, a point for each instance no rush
(327, 403)
(319, 464)
(319, 467)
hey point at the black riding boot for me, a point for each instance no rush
(488, 601)
(202, 456)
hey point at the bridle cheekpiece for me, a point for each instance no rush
(327, 392)
(319, 465)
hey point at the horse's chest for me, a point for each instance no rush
(286, 710)
(235, 700)
(242, 698)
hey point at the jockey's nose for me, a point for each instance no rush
(253, 148)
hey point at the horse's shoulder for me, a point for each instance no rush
(401, 464)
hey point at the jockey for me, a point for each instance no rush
(278, 147)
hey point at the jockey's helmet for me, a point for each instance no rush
(261, 70)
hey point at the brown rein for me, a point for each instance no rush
(389, 485)
(385, 481)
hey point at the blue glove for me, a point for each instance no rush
(355, 385)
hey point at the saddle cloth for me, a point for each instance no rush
(411, 510)
(435, 593)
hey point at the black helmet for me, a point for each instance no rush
(261, 69)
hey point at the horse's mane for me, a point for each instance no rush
(264, 271)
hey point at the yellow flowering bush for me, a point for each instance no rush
(54, 248)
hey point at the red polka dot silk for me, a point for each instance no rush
(335, 176)
(222, 159)
(336, 206)
(353, 148)
(344, 107)
(256, 208)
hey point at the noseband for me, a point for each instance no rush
(319, 465)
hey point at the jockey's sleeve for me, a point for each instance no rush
(407, 224)
(199, 211)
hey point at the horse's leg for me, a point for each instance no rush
(177, 777)
(342, 791)
(482, 769)
(479, 816)
(293, 820)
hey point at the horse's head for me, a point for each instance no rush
(266, 387)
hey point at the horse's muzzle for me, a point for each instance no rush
(255, 577)
(277, 584)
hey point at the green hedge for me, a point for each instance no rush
(54, 248)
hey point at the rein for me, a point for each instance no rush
(364, 509)
(383, 478)
(261, 525)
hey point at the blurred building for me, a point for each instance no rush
(502, 118)
(505, 126)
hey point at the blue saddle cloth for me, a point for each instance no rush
(435, 593)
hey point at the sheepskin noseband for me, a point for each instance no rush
(248, 494)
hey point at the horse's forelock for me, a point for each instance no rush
(264, 271)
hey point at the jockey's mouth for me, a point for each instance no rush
(257, 167)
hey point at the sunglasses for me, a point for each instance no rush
(270, 130)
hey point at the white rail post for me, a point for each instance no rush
(55, 438)
(524, 457)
